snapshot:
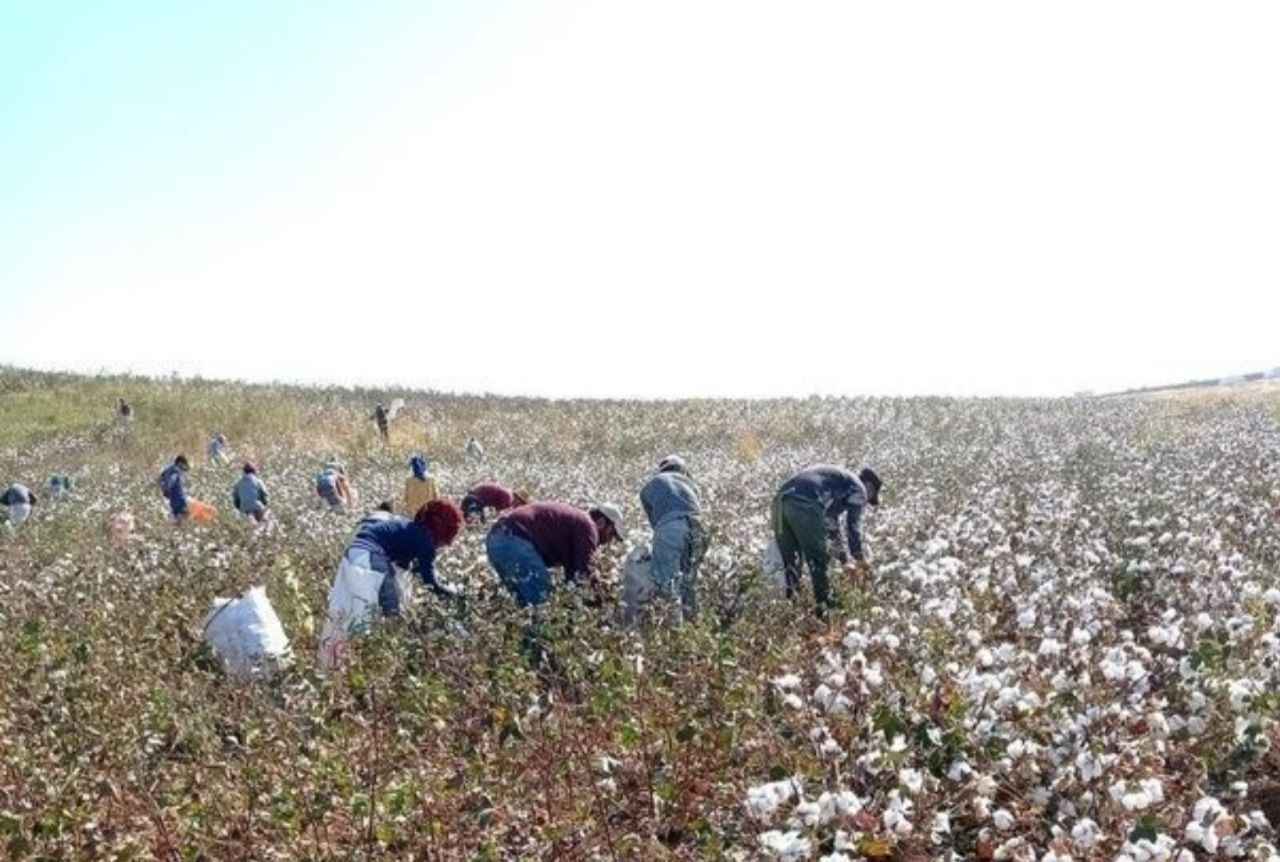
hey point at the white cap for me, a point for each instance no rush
(614, 516)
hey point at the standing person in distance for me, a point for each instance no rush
(173, 488)
(382, 419)
(802, 513)
(218, 450)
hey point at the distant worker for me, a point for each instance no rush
(332, 486)
(474, 449)
(490, 496)
(59, 486)
(19, 501)
(527, 542)
(218, 450)
(382, 419)
(124, 413)
(249, 495)
(673, 505)
(807, 510)
(173, 487)
(420, 488)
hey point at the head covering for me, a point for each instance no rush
(872, 483)
(249, 468)
(418, 465)
(613, 515)
(673, 464)
(182, 462)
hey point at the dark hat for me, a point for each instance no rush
(872, 483)
(182, 461)
(249, 468)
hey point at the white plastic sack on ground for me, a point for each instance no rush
(353, 604)
(775, 571)
(638, 587)
(246, 634)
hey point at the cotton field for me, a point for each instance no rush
(1066, 649)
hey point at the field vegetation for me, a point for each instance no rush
(1067, 648)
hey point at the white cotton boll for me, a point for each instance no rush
(830, 749)
(872, 676)
(1026, 618)
(1049, 647)
(1002, 819)
(1085, 833)
(1089, 766)
(1081, 637)
(941, 827)
(835, 857)
(855, 641)
(892, 641)
(985, 657)
(974, 637)
(959, 770)
(1153, 789)
(927, 676)
(1006, 652)
(986, 786)
(787, 846)
(763, 800)
(912, 779)
(897, 816)
(808, 813)
(787, 682)
(793, 701)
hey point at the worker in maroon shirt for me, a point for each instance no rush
(489, 495)
(528, 541)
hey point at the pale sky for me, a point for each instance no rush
(644, 199)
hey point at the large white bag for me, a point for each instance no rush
(353, 604)
(638, 587)
(775, 570)
(246, 634)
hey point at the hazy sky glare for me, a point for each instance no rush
(668, 198)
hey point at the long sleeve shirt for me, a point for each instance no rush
(669, 495)
(491, 495)
(248, 492)
(173, 486)
(401, 542)
(15, 495)
(564, 535)
(838, 492)
(419, 492)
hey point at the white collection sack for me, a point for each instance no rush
(246, 634)
(775, 571)
(353, 605)
(638, 587)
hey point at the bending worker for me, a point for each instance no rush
(527, 542)
(807, 508)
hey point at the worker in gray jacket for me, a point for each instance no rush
(249, 495)
(805, 510)
(673, 506)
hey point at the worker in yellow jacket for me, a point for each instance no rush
(420, 488)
